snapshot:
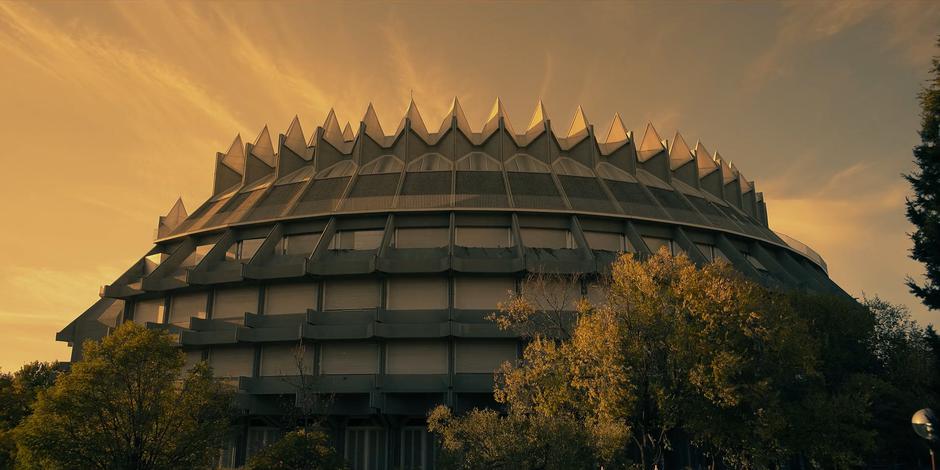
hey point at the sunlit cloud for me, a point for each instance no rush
(109, 111)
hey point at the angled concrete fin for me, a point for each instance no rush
(373, 128)
(348, 134)
(172, 219)
(539, 116)
(704, 160)
(651, 144)
(618, 131)
(263, 149)
(579, 123)
(229, 167)
(294, 139)
(332, 132)
(417, 122)
(728, 172)
(746, 186)
(234, 158)
(492, 121)
(578, 128)
(456, 111)
(679, 152)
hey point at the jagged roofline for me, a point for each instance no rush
(234, 161)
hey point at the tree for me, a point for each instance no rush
(676, 353)
(302, 449)
(17, 394)
(904, 364)
(923, 210)
(485, 439)
(128, 405)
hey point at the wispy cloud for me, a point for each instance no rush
(800, 25)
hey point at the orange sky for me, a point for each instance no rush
(108, 112)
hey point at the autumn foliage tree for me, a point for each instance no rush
(689, 358)
(301, 449)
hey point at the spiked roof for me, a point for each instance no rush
(337, 151)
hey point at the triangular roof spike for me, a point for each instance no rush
(348, 132)
(651, 142)
(372, 124)
(726, 174)
(579, 124)
(456, 111)
(618, 131)
(234, 158)
(492, 121)
(539, 116)
(745, 184)
(176, 215)
(263, 149)
(417, 122)
(679, 152)
(294, 139)
(331, 130)
(704, 160)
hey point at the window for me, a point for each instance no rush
(482, 357)
(356, 240)
(232, 361)
(482, 293)
(755, 262)
(483, 237)
(597, 293)
(282, 360)
(185, 306)
(607, 171)
(193, 357)
(365, 448)
(567, 166)
(197, 255)
(430, 162)
(655, 244)
(526, 164)
(297, 244)
(382, 165)
(227, 452)
(606, 241)
(711, 252)
(351, 294)
(547, 238)
(552, 293)
(431, 237)
(477, 161)
(416, 357)
(417, 293)
(337, 170)
(349, 358)
(243, 250)
(233, 303)
(259, 438)
(415, 448)
(150, 310)
(282, 299)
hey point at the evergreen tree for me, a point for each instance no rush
(923, 210)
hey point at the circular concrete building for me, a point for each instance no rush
(383, 254)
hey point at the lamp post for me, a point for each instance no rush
(925, 425)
